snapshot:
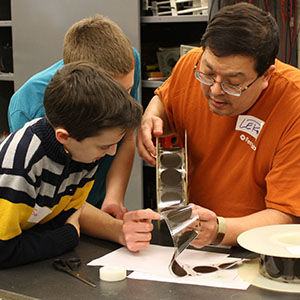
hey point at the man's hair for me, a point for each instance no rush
(243, 29)
(99, 40)
(85, 100)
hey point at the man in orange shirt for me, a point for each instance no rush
(240, 107)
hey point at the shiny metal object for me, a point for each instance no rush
(171, 172)
(70, 266)
(178, 220)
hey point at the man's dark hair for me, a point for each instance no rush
(243, 29)
(85, 100)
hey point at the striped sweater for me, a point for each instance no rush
(40, 187)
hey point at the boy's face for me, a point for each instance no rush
(127, 81)
(93, 148)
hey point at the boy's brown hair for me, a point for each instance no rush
(85, 100)
(99, 40)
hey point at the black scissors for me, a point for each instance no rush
(71, 266)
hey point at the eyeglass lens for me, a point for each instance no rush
(210, 269)
(205, 269)
(177, 269)
(227, 88)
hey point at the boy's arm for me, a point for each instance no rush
(41, 242)
(134, 232)
(25, 105)
(118, 177)
(96, 223)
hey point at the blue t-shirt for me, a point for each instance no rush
(26, 104)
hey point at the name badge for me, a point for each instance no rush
(39, 213)
(249, 124)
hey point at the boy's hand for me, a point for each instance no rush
(74, 219)
(137, 228)
(115, 210)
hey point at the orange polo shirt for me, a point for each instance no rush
(237, 166)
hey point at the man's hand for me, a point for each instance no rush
(154, 123)
(150, 126)
(206, 225)
(74, 219)
(115, 210)
(137, 228)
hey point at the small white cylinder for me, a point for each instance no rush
(112, 273)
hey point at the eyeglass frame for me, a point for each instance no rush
(180, 270)
(221, 83)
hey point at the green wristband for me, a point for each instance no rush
(221, 231)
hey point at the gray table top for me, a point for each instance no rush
(40, 280)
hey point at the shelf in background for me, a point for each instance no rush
(174, 19)
(151, 83)
(6, 76)
(5, 23)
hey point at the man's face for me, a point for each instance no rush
(93, 148)
(236, 70)
(127, 80)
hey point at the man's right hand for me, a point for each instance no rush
(154, 123)
(150, 127)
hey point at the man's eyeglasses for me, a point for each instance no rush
(229, 89)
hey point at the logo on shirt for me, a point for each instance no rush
(249, 124)
(248, 142)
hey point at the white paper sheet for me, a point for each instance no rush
(152, 264)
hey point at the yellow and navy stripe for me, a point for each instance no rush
(36, 171)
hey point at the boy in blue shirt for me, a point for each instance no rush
(99, 40)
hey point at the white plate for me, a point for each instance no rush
(274, 240)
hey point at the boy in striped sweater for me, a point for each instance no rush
(47, 168)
